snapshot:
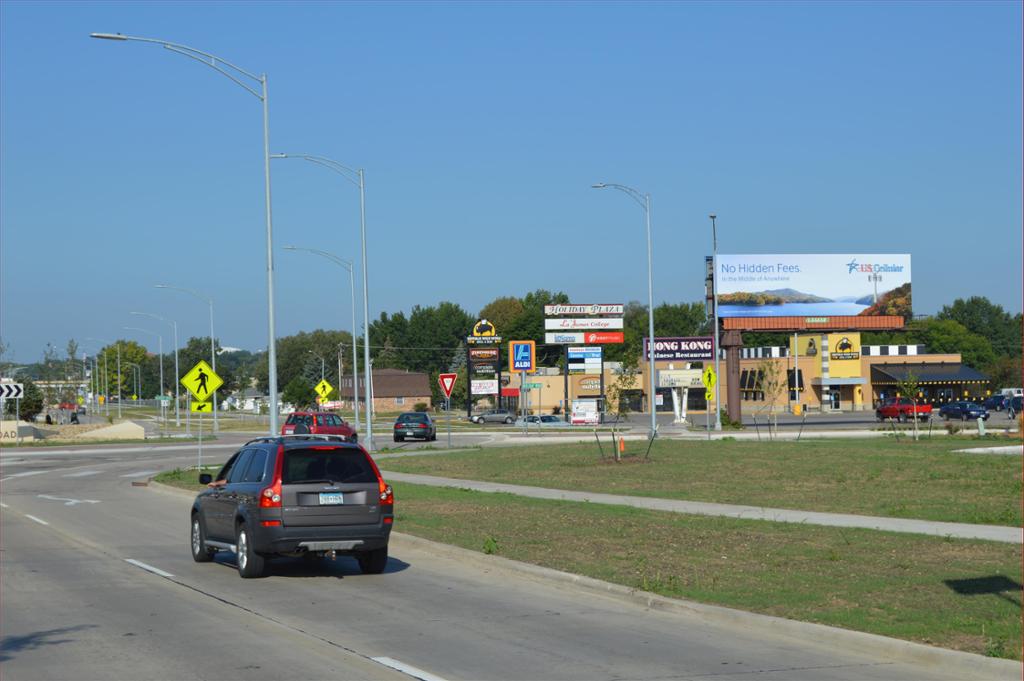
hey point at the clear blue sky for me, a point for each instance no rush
(807, 127)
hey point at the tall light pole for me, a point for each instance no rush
(177, 374)
(106, 377)
(213, 350)
(357, 178)
(714, 295)
(644, 200)
(236, 74)
(137, 375)
(347, 264)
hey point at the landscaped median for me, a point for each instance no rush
(925, 480)
(958, 594)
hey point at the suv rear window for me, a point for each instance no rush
(336, 464)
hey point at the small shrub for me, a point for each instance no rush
(953, 428)
(490, 546)
(420, 406)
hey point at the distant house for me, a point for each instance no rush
(393, 390)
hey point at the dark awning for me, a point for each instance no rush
(926, 374)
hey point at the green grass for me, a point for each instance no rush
(878, 582)
(878, 477)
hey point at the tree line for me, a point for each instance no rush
(431, 339)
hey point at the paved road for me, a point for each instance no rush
(75, 607)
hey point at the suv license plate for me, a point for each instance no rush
(331, 498)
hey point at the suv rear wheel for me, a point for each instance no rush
(508, 419)
(250, 563)
(373, 562)
(200, 553)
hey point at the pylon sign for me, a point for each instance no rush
(447, 382)
(201, 381)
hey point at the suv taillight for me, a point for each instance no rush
(386, 496)
(270, 497)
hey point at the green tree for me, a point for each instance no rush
(503, 313)
(298, 393)
(984, 318)
(530, 324)
(909, 386)
(31, 403)
(949, 336)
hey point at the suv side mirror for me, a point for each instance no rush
(205, 478)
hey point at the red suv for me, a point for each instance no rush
(317, 423)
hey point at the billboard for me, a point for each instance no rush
(809, 285)
(687, 349)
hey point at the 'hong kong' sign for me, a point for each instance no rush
(689, 349)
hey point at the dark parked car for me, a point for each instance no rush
(493, 416)
(966, 411)
(414, 424)
(317, 423)
(995, 402)
(311, 495)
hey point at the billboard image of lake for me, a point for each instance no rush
(805, 285)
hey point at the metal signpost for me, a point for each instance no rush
(709, 379)
(447, 382)
(202, 383)
(522, 357)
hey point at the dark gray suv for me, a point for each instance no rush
(312, 495)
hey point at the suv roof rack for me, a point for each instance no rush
(300, 436)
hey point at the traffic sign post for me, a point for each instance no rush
(201, 381)
(447, 382)
(709, 379)
(323, 389)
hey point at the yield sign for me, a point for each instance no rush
(447, 382)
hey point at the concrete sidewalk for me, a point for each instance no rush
(999, 533)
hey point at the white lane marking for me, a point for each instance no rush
(38, 520)
(3, 505)
(22, 475)
(69, 502)
(148, 568)
(407, 669)
(138, 474)
(80, 474)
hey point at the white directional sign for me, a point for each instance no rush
(12, 391)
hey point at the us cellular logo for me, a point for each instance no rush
(854, 266)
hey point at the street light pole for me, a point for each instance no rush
(235, 74)
(213, 350)
(357, 178)
(352, 290)
(644, 200)
(714, 294)
(177, 374)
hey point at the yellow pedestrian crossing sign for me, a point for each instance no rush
(201, 381)
(323, 389)
(202, 407)
(709, 379)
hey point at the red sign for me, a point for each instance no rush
(447, 382)
(603, 337)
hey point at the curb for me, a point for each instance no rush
(969, 665)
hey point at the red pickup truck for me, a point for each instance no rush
(902, 409)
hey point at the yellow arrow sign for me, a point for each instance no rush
(202, 407)
(709, 379)
(708, 396)
(323, 389)
(201, 381)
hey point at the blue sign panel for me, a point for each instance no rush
(522, 355)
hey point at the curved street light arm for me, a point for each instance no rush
(349, 174)
(210, 60)
(629, 191)
(347, 264)
(197, 294)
